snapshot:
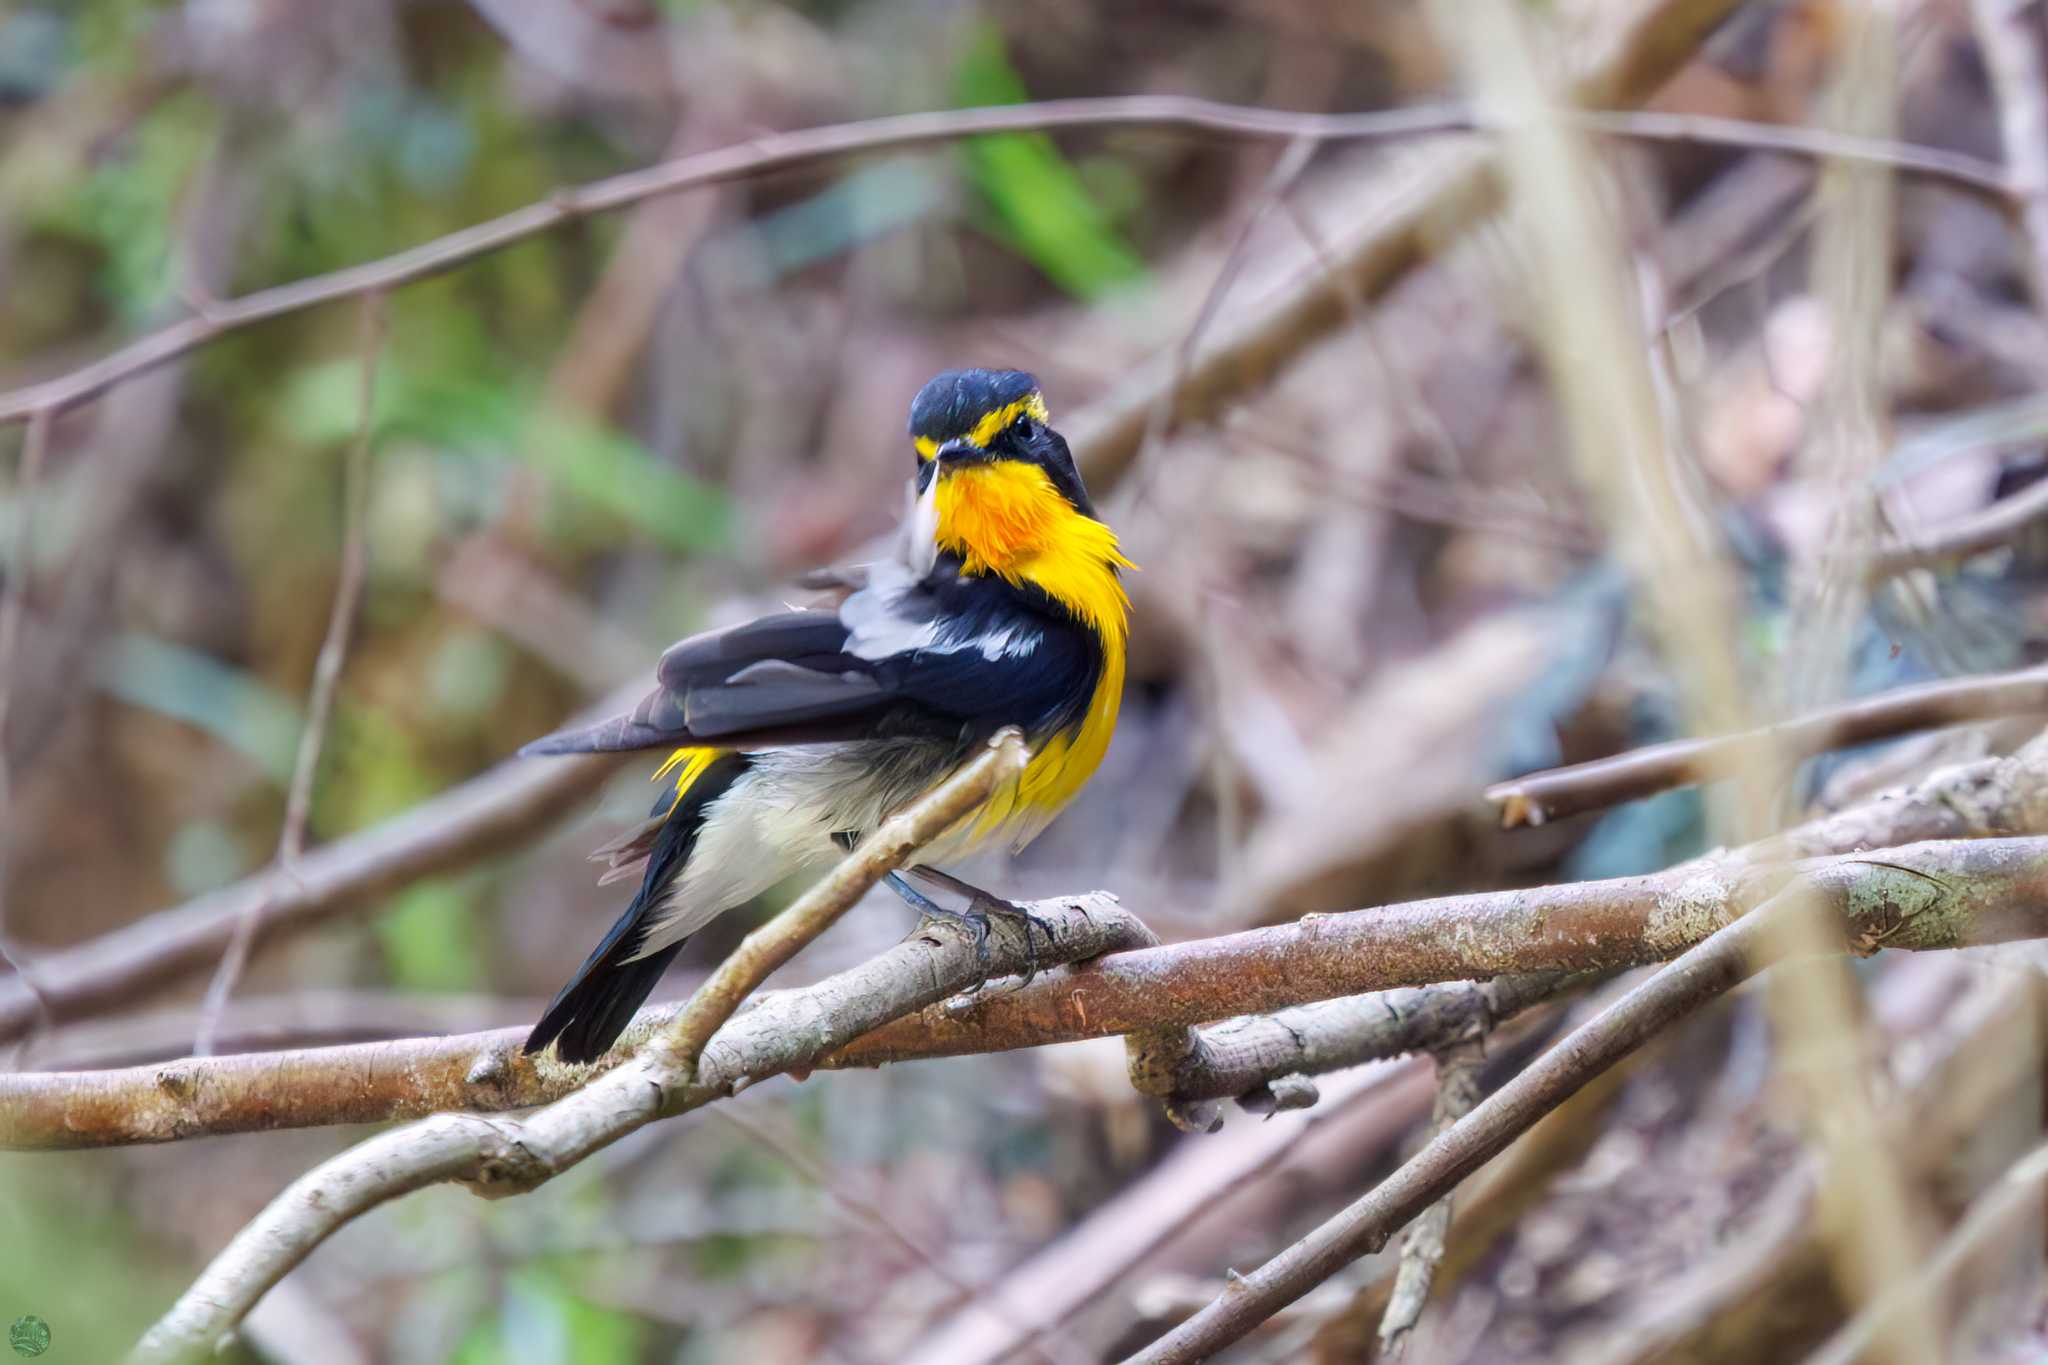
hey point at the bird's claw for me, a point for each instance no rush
(976, 926)
(986, 907)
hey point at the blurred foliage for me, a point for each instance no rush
(72, 1254)
(540, 1319)
(1041, 205)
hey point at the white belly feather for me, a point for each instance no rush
(779, 816)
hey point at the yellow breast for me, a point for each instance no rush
(1006, 518)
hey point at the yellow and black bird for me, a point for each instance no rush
(796, 733)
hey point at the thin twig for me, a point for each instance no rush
(1988, 528)
(754, 157)
(1279, 182)
(1422, 1246)
(780, 151)
(1601, 782)
(881, 852)
(1702, 974)
(348, 592)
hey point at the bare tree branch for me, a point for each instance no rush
(1945, 894)
(1240, 1058)
(754, 157)
(1922, 896)
(1642, 51)
(413, 1077)
(783, 1032)
(408, 1078)
(1422, 1247)
(1986, 529)
(1559, 792)
(1701, 974)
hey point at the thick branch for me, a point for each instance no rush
(1643, 772)
(1924, 896)
(367, 1082)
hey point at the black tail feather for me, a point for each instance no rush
(587, 1016)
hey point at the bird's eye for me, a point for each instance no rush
(1024, 428)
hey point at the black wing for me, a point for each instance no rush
(974, 655)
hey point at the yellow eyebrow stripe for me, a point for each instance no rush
(991, 423)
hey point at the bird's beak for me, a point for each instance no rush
(959, 450)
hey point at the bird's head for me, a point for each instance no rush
(1001, 482)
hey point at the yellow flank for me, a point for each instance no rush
(989, 424)
(1006, 518)
(693, 762)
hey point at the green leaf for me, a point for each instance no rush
(1044, 208)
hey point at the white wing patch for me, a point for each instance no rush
(1011, 642)
(879, 627)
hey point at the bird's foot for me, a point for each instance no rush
(930, 911)
(974, 920)
(986, 907)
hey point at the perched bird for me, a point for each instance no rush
(1001, 605)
